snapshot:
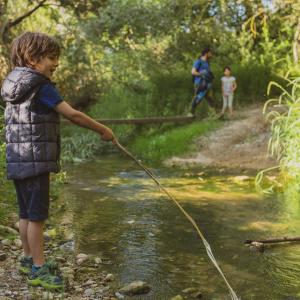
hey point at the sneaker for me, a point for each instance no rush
(25, 265)
(45, 278)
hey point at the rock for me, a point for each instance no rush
(81, 258)
(256, 246)
(189, 290)
(197, 295)
(60, 259)
(81, 255)
(67, 270)
(47, 296)
(135, 288)
(17, 225)
(119, 296)
(7, 293)
(68, 246)
(241, 178)
(18, 243)
(178, 297)
(6, 242)
(8, 230)
(3, 256)
(88, 292)
(109, 277)
(98, 260)
(89, 282)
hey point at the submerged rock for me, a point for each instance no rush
(256, 246)
(135, 288)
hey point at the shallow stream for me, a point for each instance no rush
(120, 214)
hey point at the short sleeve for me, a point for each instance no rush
(49, 95)
(197, 64)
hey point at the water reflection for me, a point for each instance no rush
(120, 214)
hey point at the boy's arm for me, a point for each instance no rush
(81, 119)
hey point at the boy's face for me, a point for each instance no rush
(46, 66)
(227, 72)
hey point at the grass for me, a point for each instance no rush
(158, 146)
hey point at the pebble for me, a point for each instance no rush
(88, 292)
(16, 225)
(68, 246)
(6, 242)
(3, 256)
(18, 243)
(109, 277)
(178, 297)
(135, 288)
(89, 282)
(119, 295)
(98, 260)
(81, 255)
(81, 258)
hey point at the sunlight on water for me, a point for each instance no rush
(119, 213)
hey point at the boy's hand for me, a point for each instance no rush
(108, 135)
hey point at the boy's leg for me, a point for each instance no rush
(36, 241)
(23, 226)
(33, 198)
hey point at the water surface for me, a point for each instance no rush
(118, 213)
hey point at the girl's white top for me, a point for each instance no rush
(228, 84)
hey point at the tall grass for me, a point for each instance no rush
(284, 114)
(161, 145)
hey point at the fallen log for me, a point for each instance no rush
(275, 240)
(143, 121)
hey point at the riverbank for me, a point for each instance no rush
(82, 273)
(241, 143)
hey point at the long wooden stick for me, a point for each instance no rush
(209, 252)
(275, 240)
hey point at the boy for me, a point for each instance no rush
(33, 106)
(228, 87)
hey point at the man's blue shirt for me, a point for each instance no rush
(200, 65)
(48, 98)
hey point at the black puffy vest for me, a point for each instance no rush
(32, 139)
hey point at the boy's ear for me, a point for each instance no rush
(32, 62)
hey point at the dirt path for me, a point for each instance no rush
(240, 143)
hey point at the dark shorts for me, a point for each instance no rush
(33, 197)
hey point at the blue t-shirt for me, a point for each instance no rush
(48, 98)
(200, 65)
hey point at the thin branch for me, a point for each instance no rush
(24, 16)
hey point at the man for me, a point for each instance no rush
(202, 78)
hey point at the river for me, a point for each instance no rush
(118, 213)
